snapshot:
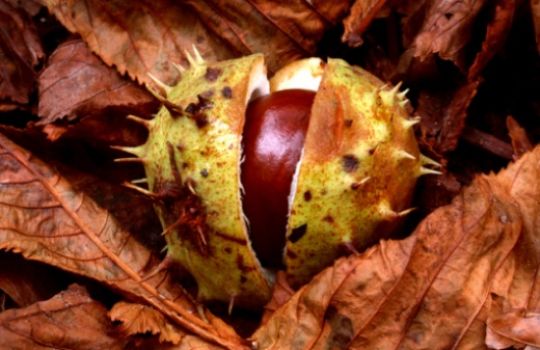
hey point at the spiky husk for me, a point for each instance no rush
(353, 183)
(192, 160)
(357, 173)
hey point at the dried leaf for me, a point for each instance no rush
(497, 31)
(535, 11)
(70, 320)
(76, 83)
(361, 15)
(155, 33)
(520, 141)
(27, 282)
(332, 11)
(443, 115)
(20, 52)
(140, 319)
(45, 220)
(435, 289)
(516, 328)
(280, 295)
(447, 29)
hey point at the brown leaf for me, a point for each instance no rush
(20, 52)
(140, 319)
(76, 83)
(361, 15)
(497, 31)
(435, 289)
(70, 320)
(156, 33)
(447, 29)
(281, 293)
(27, 282)
(520, 141)
(535, 11)
(45, 220)
(443, 115)
(515, 328)
(332, 11)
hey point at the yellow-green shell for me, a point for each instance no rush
(356, 175)
(359, 166)
(204, 222)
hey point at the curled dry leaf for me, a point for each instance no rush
(44, 219)
(437, 288)
(520, 141)
(281, 293)
(70, 320)
(442, 130)
(446, 29)
(140, 319)
(496, 33)
(156, 33)
(20, 52)
(362, 14)
(76, 83)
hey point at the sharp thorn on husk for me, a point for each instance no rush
(395, 89)
(364, 180)
(190, 58)
(201, 313)
(405, 212)
(402, 154)
(139, 189)
(144, 122)
(161, 84)
(179, 67)
(428, 161)
(130, 150)
(428, 171)
(408, 123)
(350, 248)
(231, 304)
(143, 180)
(401, 95)
(198, 57)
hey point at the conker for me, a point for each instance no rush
(273, 139)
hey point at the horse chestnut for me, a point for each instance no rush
(352, 174)
(273, 140)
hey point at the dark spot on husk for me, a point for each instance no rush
(226, 92)
(207, 94)
(201, 119)
(297, 233)
(329, 219)
(341, 327)
(202, 104)
(350, 163)
(348, 123)
(243, 279)
(355, 186)
(291, 254)
(307, 196)
(204, 172)
(228, 250)
(212, 74)
(241, 265)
